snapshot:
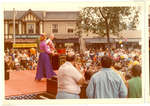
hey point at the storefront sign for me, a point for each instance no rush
(69, 44)
(25, 45)
(27, 36)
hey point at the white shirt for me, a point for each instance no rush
(17, 61)
(68, 76)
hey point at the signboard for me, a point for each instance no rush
(25, 45)
(27, 36)
(69, 44)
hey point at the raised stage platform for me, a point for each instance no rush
(23, 83)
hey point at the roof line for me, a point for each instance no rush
(59, 19)
(29, 11)
(37, 11)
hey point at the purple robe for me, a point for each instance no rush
(44, 68)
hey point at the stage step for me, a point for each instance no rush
(46, 95)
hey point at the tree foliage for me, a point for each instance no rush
(107, 20)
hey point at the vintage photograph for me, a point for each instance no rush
(78, 52)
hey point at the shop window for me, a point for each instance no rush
(55, 28)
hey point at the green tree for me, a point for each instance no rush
(107, 20)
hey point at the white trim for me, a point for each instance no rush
(6, 27)
(61, 19)
(20, 28)
(41, 27)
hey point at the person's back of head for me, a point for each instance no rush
(70, 56)
(106, 62)
(136, 70)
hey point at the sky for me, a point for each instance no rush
(53, 5)
(59, 5)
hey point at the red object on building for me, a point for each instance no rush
(61, 51)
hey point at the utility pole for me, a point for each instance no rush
(14, 15)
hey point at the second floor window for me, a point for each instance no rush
(55, 28)
(30, 28)
(70, 28)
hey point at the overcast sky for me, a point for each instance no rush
(60, 5)
(54, 5)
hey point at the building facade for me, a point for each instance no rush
(30, 24)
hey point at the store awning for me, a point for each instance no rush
(73, 40)
(97, 40)
(129, 40)
(24, 45)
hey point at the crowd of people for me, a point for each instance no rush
(119, 69)
(21, 59)
(123, 59)
(111, 73)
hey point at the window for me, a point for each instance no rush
(70, 28)
(30, 28)
(55, 28)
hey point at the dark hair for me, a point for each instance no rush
(136, 70)
(135, 57)
(106, 62)
(70, 58)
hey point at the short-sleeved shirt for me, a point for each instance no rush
(106, 84)
(68, 76)
(135, 87)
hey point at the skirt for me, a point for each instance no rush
(44, 68)
(65, 95)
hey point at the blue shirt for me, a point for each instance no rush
(106, 84)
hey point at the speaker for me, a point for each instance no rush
(6, 73)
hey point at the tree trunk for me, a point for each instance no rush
(107, 31)
(82, 45)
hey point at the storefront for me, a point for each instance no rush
(8, 45)
(97, 43)
(70, 42)
(129, 43)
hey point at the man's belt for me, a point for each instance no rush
(42, 51)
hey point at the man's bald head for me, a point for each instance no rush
(51, 36)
